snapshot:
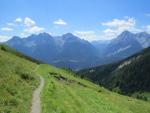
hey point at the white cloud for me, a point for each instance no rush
(34, 29)
(6, 29)
(18, 20)
(148, 28)
(116, 26)
(87, 35)
(29, 22)
(23, 35)
(121, 23)
(10, 24)
(31, 27)
(147, 14)
(60, 22)
(27, 25)
(4, 38)
(110, 33)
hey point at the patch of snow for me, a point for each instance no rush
(123, 49)
(120, 50)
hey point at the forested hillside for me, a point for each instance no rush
(126, 76)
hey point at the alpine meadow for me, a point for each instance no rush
(74, 56)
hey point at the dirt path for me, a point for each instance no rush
(36, 103)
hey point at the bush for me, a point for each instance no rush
(117, 90)
(24, 74)
(3, 48)
(27, 76)
(142, 97)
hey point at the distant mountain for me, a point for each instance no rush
(126, 76)
(41, 47)
(63, 51)
(76, 53)
(123, 46)
(143, 38)
(76, 49)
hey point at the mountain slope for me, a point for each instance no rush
(75, 53)
(17, 81)
(41, 47)
(128, 76)
(66, 93)
(123, 46)
(143, 38)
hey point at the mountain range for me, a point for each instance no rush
(70, 51)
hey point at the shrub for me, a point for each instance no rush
(142, 97)
(24, 74)
(27, 76)
(3, 48)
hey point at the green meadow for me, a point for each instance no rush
(65, 93)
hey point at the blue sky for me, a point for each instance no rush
(88, 19)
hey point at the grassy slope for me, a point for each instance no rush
(68, 94)
(142, 94)
(17, 81)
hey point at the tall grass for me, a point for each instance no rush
(17, 82)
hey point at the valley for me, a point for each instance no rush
(129, 76)
(63, 90)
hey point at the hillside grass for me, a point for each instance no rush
(17, 82)
(64, 93)
(142, 95)
(15, 52)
